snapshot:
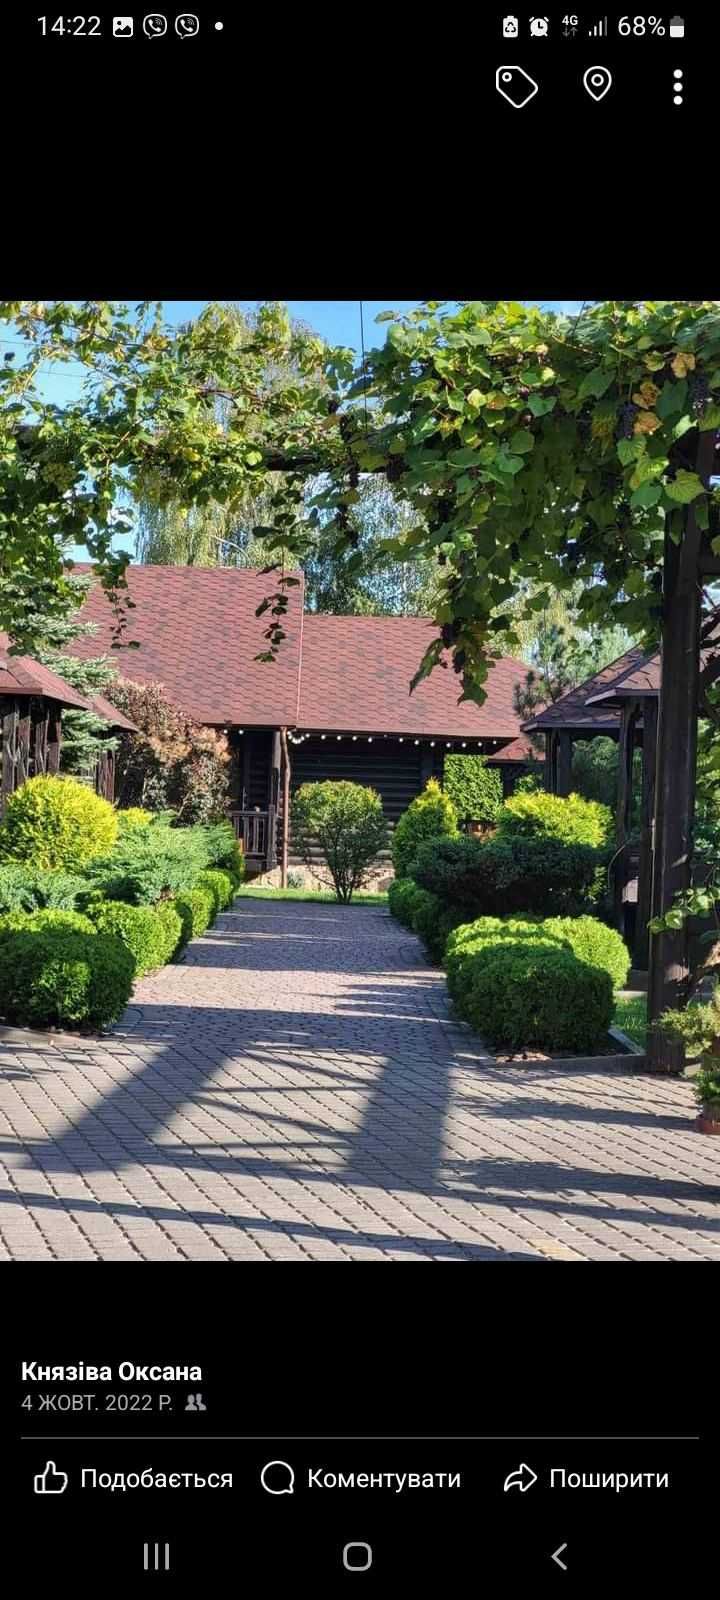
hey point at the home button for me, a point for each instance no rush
(357, 1557)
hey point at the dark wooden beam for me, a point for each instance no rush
(550, 768)
(275, 765)
(641, 944)
(246, 759)
(285, 807)
(9, 728)
(628, 720)
(426, 764)
(563, 768)
(54, 737)
(676, 758)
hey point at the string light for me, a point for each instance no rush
(401, 741)
(369, 738)
(354, 737)
(417, 741)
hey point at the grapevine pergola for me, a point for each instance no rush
(537, 451)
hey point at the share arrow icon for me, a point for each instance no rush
(522, 1478)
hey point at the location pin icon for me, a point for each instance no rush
(597, 81)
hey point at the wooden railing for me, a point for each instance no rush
(256, 831)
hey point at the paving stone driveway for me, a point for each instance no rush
(295, 1090)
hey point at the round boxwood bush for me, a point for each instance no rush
(430, 816)
(526, 992)
(593, 942)
(41, 921)
(470, 939)
(171, 925)
(568, 818)
(195, 908)
(220, 885)
(57, 822)
(139, 928)
(58, 977)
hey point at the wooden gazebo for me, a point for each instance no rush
(32, 699)
(619, 702)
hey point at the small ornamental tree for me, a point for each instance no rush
(346, 821)
(172, 763)
(431, 815)
(474, 788)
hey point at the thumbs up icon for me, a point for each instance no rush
(50, 1481)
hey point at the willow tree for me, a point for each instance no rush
(537, 451)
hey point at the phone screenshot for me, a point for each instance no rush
(359, 805)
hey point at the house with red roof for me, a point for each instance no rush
(337, 697)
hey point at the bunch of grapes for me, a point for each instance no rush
(699, 393)
(459, 661)
(628, 414)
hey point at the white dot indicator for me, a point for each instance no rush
(677, 99)
(678, 72)
(219, 27)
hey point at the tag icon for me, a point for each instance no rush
(597, 81)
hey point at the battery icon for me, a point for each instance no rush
(677, 28)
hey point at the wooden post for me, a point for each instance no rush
(628, 719)
(54, 737)
(275, 763)
(10, 720)
(246, 758)
(550, 767)
(563, 771)
(285, 806)
(23, 743)
(676, 757)
(647, 823)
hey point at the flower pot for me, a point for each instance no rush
(709, 1119)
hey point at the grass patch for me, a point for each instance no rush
(631, 1016)
(247, 892)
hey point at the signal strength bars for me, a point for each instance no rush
(600, 29)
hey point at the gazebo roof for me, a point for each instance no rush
(22, 675)
(109, 713)
(593, 707)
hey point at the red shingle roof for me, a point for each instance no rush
(21, 675)
(356, 674)
(198, 635)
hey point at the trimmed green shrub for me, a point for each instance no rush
(220, 885)
(427, 916)
(26, 889)
(347, 821)
(593, 942)
(57, 978)
(171, 924)
(140, 929)
(571, 819)
(475, 789)
(401, 896)
(471, 939)
(41, 921)
(431, 815)
(195, 908)
(498, 876)
(584, 937)
(56, 822)
(525, 992)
